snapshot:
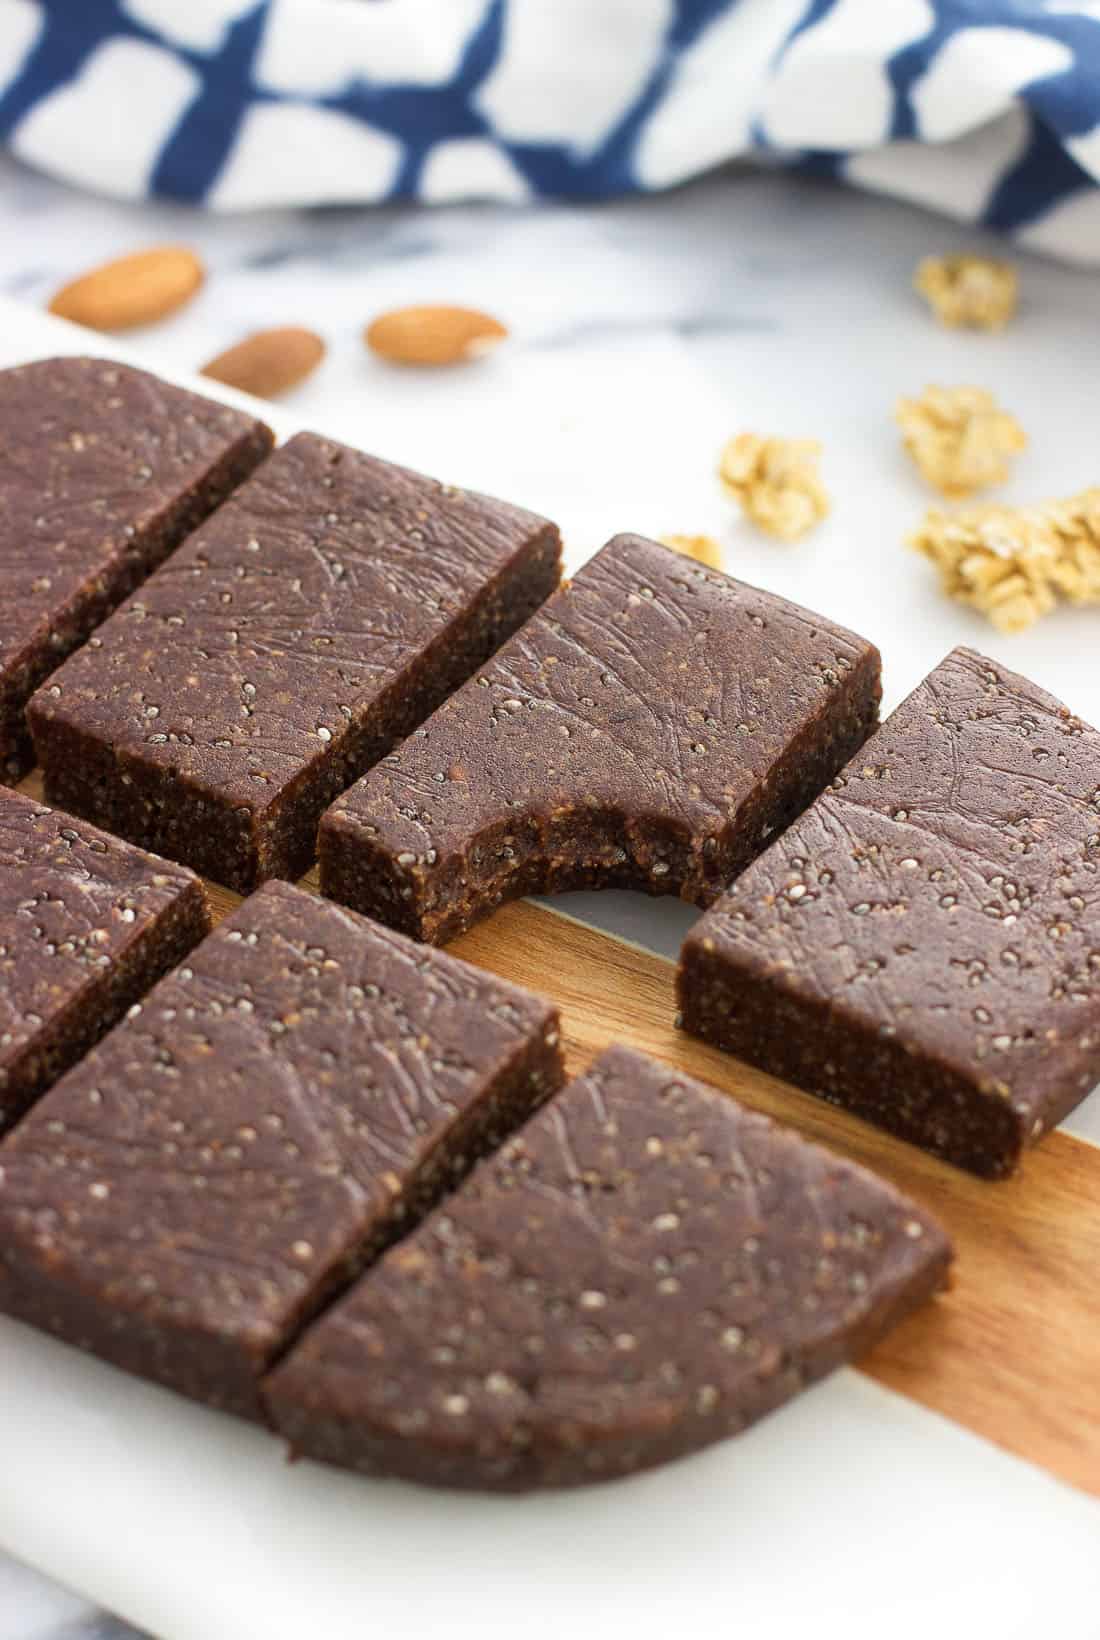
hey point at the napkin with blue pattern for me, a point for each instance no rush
(986, 109)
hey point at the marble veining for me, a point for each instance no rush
(33, 1608)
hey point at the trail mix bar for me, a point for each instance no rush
(87, 924)
(645, 1268)
(103, 471)
(253, 1133)
(316, 619)
(651, 727)
(923, 946)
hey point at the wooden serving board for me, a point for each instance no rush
(1012, 1352)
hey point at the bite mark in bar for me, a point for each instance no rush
(651, 727)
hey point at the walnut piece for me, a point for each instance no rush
(1015, 563)
(959, 438)
(776, 481)
(703, 548)
(976, 291)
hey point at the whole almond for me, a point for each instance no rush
(135, 290)
(433, 335)
(268, 362)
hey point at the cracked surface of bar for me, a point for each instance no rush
(645, 1268)
(103, 471)
(923, 946)
(321, 614)
(650, 727)
(272, 1114)
(87, 924)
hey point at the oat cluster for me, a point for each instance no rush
(1014, 564)
(776, 482)
(959, 438)
(703, 548)
(975, 292)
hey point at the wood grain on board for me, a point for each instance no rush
(1012, 1352)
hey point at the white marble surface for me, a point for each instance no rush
(645, 333)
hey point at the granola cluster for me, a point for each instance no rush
(776, 481)
(973, 291)
(1015, 563)
(959, 438)
(703, 548)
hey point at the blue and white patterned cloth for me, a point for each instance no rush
(987, 109)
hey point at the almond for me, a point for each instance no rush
(433, 335)
(135, 290)
(268, 362)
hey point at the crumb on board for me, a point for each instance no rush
(703, 548)
(776, 482)
(1015, 564)
(959, 438)
(975, 292)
